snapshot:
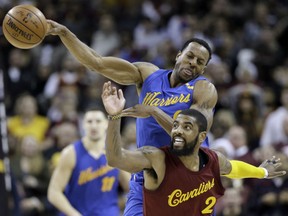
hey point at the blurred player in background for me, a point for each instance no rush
(83, 183)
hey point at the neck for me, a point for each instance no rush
(174, 82)
(95, 146)
(191, 162)
(26, 119)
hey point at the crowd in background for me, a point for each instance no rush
(47, 90)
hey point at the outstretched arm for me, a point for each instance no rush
(145, 111)
(204, 99)
(235, 169)
(116, 69)
(130, 161)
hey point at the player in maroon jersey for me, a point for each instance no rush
(183, 179)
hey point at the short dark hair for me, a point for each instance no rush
(200, 118)
(201, 42)
(97, 107)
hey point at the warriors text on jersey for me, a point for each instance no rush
(93, 186)
(156, 91)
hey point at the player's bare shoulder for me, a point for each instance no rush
(68, 151)
(68, 156)
(205, 94)
(224, 164)
(205, 85)
(145, 69)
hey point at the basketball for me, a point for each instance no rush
(24, 26)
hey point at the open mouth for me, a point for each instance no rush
(178, 142)
(188, 73)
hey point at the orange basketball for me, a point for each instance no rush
(24, 26)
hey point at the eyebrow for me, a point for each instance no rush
(191, 52)
(189, 123)
(186, 123)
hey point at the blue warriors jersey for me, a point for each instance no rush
(156, 91)
(93, 186)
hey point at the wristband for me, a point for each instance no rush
(266, 172)
(114, 117)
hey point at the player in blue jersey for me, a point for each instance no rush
(82, 182)
(180, 88)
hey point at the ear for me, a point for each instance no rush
(202, 136)
(178, 54)
(203, 71)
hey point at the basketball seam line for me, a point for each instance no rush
(25, 26)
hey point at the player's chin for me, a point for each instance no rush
(94, 138)
(185, 78)
(178, 146)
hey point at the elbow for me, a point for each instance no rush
(111, 161)
(113, 156)
(50, 196)
(115, 160)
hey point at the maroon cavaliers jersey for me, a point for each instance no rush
(184, 192)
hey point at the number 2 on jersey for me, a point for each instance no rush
(210, 202)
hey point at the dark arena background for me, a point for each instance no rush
(44, 91)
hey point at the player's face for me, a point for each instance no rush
(191, 62)
(185, 135)
(95, 125)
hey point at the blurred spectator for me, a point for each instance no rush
(91, 96)
(33, 179)
(246, 97)
(231, 203)
(270, 100)
(59, 137)
(106, 38)
(246, 74)
(262, 19)
(129, 134)
(273, 131)
(27, 121)
(224, 146)
(238, 138)
(280, 76)
(269, 198)
(19, 77)
(218, 72)
(179, 25)
(163, 56)
(223, 120)
(64, 107)
(69, 76)
(75, 15)
(248, 116)
(146, 34)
